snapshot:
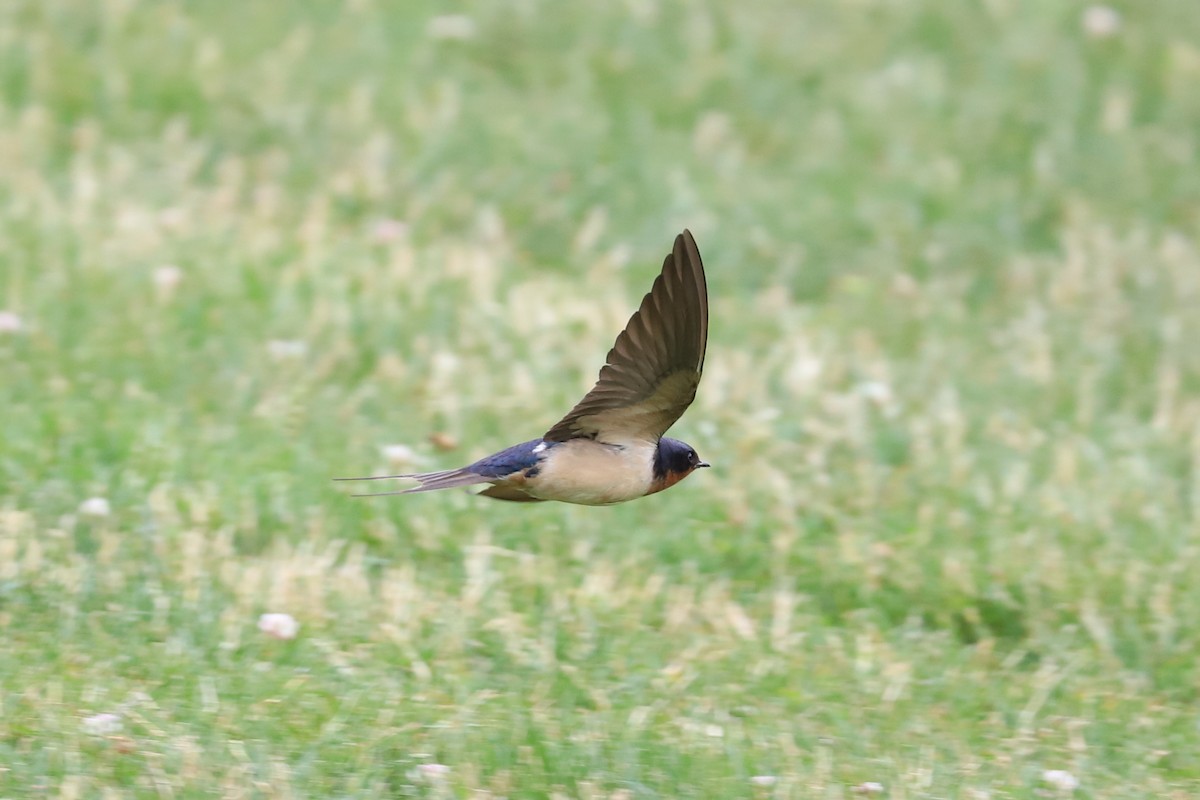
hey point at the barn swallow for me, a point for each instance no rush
(610, 448)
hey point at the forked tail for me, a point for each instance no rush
(430, 481)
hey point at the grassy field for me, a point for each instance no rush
(950, 544)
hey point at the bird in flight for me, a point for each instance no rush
(610, 447)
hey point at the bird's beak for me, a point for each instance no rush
(703, 464)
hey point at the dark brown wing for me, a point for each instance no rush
(513, 493)
(653, 369)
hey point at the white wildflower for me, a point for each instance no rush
(280, 626)
(877, 392)
(283, 349)
(95, 507)
(10, 322)
(102, 724)
(399, 455)
(868, 787)
(388, 230)
(451, 26)
(166, 278)
(1101, 22)
(1061, 779)
(429, 773)
(763, 780)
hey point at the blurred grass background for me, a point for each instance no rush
(952, 397)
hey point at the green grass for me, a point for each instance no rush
(952, 536)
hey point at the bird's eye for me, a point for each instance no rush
(692, 457)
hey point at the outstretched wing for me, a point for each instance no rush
(651, 374)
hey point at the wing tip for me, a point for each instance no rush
(682, 268)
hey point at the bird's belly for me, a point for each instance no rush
(592, 474)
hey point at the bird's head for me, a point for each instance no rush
(673, 461)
